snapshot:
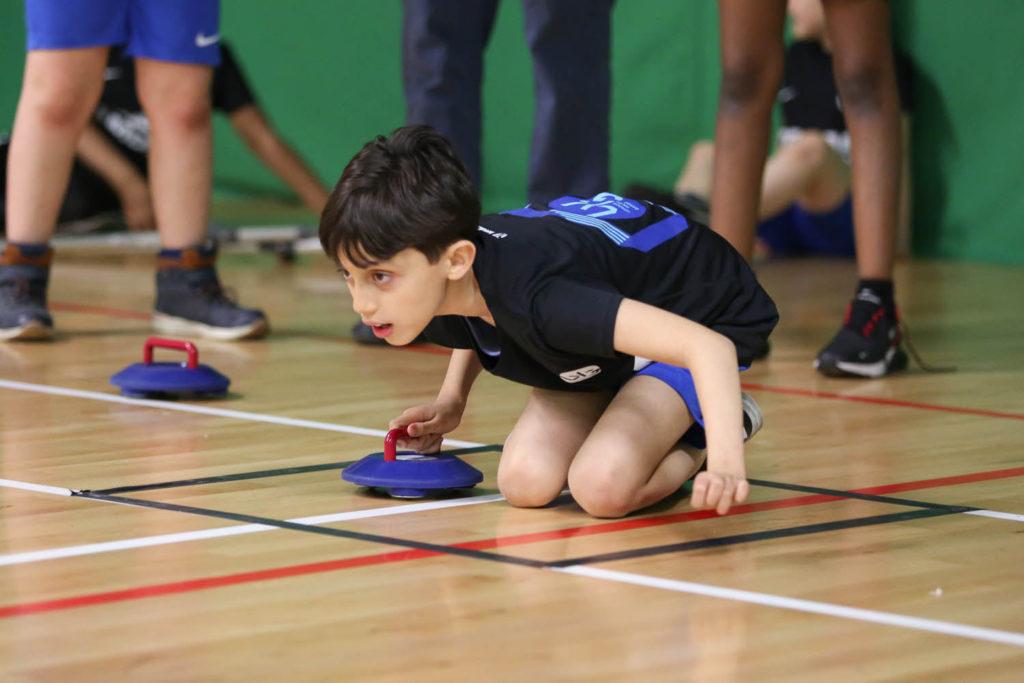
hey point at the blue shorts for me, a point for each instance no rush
(681, 381)
(796, 231)
(168, 30)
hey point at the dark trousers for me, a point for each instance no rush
(443, 42)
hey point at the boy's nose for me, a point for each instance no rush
(362, 304)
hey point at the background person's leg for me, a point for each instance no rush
(176, 98)
(442, 69)
(868, 343)
(752, 60)
(861, 36)
(59, 93)
(570, 41)
(806, 171)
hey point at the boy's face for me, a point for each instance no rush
(397, 298)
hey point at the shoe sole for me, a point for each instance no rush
(894, 361)
(32, 331)
(752, 411)
(168, 324)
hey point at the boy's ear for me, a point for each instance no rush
(460, 256)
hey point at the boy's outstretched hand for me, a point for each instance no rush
(718, 490)
(427, 424)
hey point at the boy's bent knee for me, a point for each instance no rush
(526, 486)
(602, 495)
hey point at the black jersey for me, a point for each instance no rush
(119, 114)
(553, 280)
(810, 100)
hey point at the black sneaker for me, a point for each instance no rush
(191, 301)
(868, 343)
(23, 281)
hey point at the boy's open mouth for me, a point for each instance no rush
(381, 330)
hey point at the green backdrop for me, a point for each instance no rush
(328, 74)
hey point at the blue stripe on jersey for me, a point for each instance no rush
(657, 233)
(614, 234)
(645, 240)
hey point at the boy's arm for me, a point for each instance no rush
(107, 161)
(650, 332)
(257, 133)
(427, 424)
(463, 369)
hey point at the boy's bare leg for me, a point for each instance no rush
(632, 457)
(752, 61)
(695, 177)
(176, 98)
(806, 171)
(865, 76)
(60, 91)
(534, 463)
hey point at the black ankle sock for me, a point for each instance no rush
(877, 291)
(31, 249)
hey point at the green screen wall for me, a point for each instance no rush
(328, 74)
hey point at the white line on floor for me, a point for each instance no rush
(782, 602)
(220, 532)
(206, 410)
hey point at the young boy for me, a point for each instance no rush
(619, 313)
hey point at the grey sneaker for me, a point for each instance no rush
(23, 281)
(191, 301)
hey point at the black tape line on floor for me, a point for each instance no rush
(312, 529)
(861, 496)
(261, 474)
(738, 539)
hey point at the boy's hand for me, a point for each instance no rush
(718, 488)
(427, 424)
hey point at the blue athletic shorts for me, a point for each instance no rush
(681, 380)
(168, 30)
(798, 232)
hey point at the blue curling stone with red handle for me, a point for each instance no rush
(148, 379)
(408, 474)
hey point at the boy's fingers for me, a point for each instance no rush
(700, 488)
(728, 489)
(714, 491)
(742, 490)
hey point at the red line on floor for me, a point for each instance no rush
(811, 393)
(160, 589)
(99, 310)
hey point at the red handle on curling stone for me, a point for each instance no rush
(391, 442)
(186, 346)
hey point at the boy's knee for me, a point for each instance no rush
(602, 493)
(525, 485)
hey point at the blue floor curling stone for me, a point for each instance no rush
(148, 379)
(408, 474)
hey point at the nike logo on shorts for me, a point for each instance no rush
(207, 41)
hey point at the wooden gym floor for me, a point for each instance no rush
(883, 539)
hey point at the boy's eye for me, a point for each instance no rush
(345, 275)
(381, 277)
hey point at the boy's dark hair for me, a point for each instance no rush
(406, 190)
